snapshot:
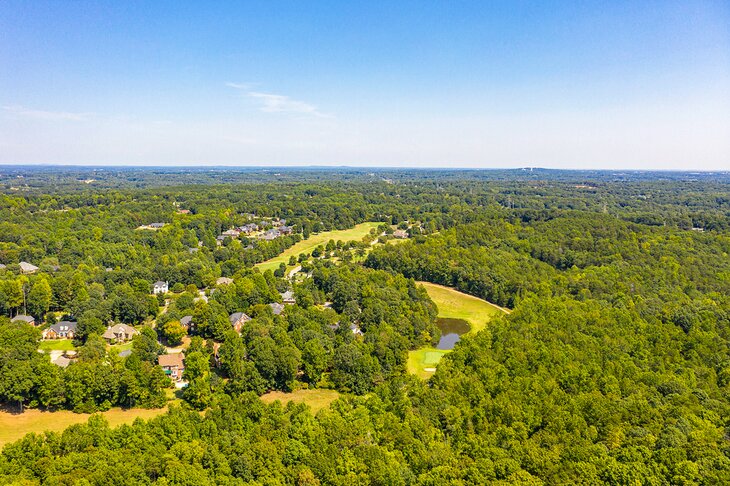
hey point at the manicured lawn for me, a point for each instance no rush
(457, 305)
(15, 426)
(316, 399)
(306, 246)
(57, 345)
(121, 347)
(422, 362)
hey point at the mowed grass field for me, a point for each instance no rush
(15, 426)
(456, 305)
(316, 399)
(56, 345)
(306, 246)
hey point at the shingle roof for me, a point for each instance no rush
(171, 360)
(28, 267)
(237, 316)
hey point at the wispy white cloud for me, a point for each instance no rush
(245, 86)
(276, 103)
(46, 115)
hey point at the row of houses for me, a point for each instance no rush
(67, 330)
(279, 229)
(25, 268)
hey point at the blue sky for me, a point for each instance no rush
(643, 85)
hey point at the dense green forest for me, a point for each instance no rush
(612, 368)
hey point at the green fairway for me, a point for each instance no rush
(306, 246)
(456, 305)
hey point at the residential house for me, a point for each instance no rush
(23, 318)
(2, 266)
(119, 333)
(231, 233)
(249, 228)
(173, 365)
(156, 225)
(60, 330)
(160, 287)
(223, 281)
(401, 234)
(27, 268)
(288, 298)
(271, 234)
(356, 330)
(187, 322)
(276, 308)
(238, 319)
(286, 230)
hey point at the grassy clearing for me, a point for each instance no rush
(57, 345)
(422, 362)
(15, 426)
(456, 305)
(316, 399)
(121, 347)
(306, 246)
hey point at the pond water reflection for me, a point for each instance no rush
(451, 329)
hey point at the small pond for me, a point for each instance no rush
(451, 329)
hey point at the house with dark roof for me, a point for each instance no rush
(60, 330)
(276, 308)
(271, 234)
(249, 228)
(160, 287)
(238, 319)
(23, 318)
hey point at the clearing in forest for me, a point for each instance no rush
(14, 426)
(317, 399)
(455, 305)
(306, 246)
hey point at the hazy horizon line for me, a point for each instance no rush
(363, 167)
